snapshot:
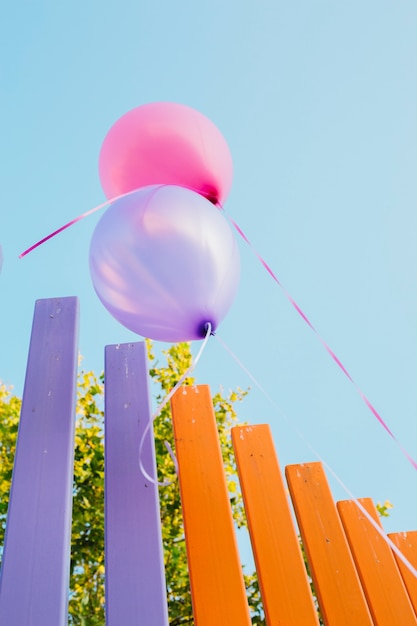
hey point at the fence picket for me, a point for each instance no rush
(407, 543)
(35, 568)
(381, 581)
(217, 587)
(135, 576)
(279, 563)
(336, 581)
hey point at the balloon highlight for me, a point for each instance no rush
(164, 262)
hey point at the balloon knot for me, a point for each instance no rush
(204, 328)
(211, 195)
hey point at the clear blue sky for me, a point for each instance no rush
(318, 102)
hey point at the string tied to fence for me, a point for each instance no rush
(303, 438)
(162, 405)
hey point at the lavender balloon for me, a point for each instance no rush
(164, 262)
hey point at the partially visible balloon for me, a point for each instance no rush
(164, 142)
(164, 262)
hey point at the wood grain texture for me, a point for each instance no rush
(342, 601)
(282, 576)
(218, 592)
(135, 576)
(35, 568)
(407, 543)
(380, 577)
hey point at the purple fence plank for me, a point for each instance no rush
(35, 569)
(135, 577)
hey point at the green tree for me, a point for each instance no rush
(86, 604)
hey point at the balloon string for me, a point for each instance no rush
(300, 434)
(334, 357)
(164, 402)
(90, 212)
(74, 221)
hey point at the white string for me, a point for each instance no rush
(375, 524)
(164, 402)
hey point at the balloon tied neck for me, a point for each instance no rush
(211, 194)
(205, 329)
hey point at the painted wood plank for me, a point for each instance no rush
(135, 576)
(382, 583)
(35, 571)
(217, 587)
(279, 563)
(342, 601)
(407, 543)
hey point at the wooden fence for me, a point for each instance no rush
(357, 578)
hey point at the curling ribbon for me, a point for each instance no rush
(74, 221)
(335, 358)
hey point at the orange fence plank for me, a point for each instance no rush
(407, 543)
(381, 580)
(217, 587)
(341, 599)
(281, 571)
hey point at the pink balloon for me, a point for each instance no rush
(164, 142)
(164, 262)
